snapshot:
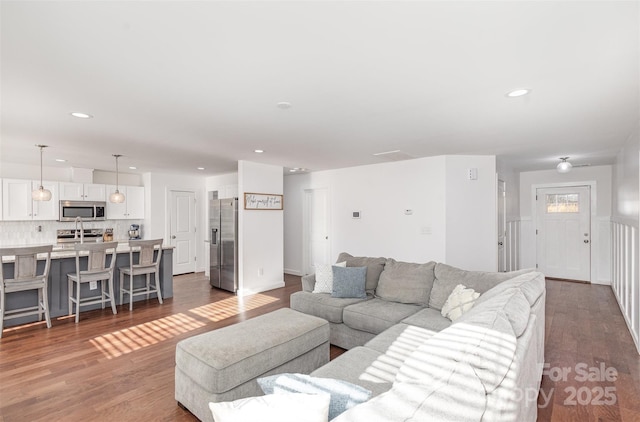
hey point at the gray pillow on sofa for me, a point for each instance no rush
(406, 282)
(448, 277)
(344, 395)
(374, 267)
(349, 282)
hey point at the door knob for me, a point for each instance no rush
(173, 237)
(500, 243)
(586, 241)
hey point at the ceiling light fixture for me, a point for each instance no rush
(283, 105)
(133, 167)
(518, 92)
(258, 151)
(41, 194)
(116, 197)
(81, 115)
(200, 168)
(564, 166)
(61, 160)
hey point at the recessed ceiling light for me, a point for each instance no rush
(133, 167)
(81, 115)
(61, 160)
(258, 151)
(284, 105)
(200, 168)
(518, 92)
(297, 169)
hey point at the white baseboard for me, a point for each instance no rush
(293, 272)
(247, 292)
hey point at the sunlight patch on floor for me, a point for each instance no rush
(232, 306)
(135, 338)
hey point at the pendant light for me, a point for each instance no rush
(116, 196)
(41, 194)
(564, 166)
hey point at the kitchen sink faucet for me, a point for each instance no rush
(75, 236)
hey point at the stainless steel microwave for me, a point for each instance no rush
(86, 210)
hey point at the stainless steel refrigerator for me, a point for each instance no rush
(223, 244)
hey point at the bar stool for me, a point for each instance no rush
(96, 270)
(25, 277)
(148, 263)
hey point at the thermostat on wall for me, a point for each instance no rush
(355, 214)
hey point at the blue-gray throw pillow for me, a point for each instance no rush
(349, 282)
(344, 395)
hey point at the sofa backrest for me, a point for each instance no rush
(406, 282)
(374, 268)
(448, 277)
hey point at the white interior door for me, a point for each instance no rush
(564, 232)
(502, 226)
(183, 231)
(316, 229)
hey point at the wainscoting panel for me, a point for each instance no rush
(624, 247)
(512, 245)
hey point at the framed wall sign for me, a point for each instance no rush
(262, 201)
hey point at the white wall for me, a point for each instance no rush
(261, 244)
(600, 178)
(471, 213)
(382, 193)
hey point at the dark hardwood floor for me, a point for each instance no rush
(120, 367)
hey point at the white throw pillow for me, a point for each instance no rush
(294, 407)
(459, 301)
(324, 277)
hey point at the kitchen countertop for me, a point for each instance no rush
(67, 251)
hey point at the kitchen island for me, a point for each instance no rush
(63, 262)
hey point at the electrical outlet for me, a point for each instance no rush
(93, 285)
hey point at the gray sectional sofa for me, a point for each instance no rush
(484, 366)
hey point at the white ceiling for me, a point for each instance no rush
(174, 85)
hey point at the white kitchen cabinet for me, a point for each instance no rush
(17, 204)
(70, 191)
(131, 208)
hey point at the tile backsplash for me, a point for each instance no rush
(21, 233)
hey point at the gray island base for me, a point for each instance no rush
(63, 263)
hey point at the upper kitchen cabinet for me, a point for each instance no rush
(82, 192)
(17, 204)
(131, 208)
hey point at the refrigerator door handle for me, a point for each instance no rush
(214, 236)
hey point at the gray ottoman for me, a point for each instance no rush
(223, 364)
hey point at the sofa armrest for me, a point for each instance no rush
(308, 282)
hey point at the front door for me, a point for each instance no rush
(564, 232)
(183, 231)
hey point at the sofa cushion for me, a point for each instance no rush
(531, 283)
(458, 397)
(324, 277)
(406, 282)
(448, 277)
(376, 315)
(399, 341)
(361, 366)
(321, 305)
(511, 302)
(349, 282)
(485, 341)
(428, 318)
(374, 268)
